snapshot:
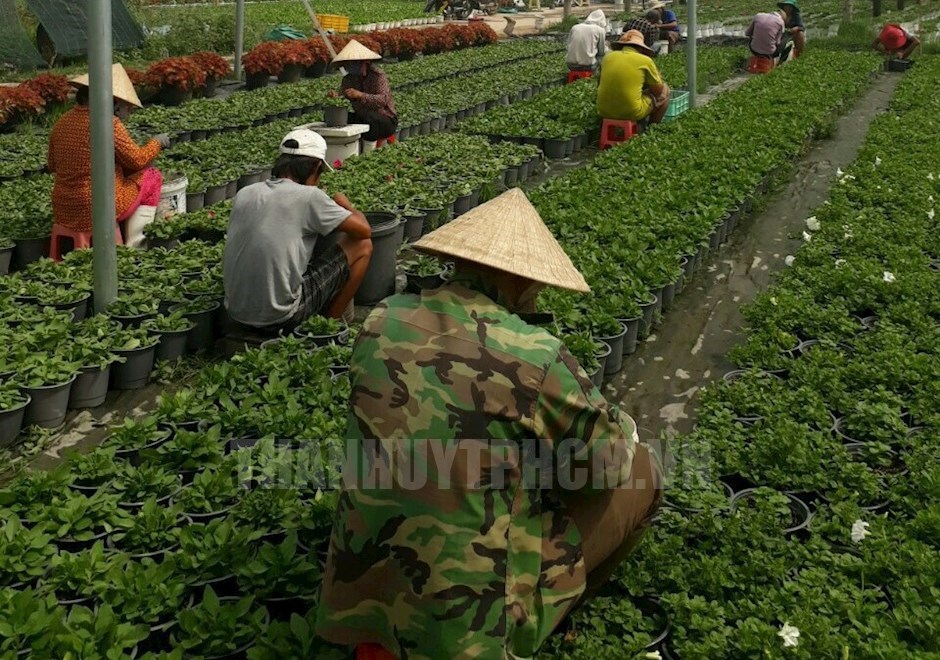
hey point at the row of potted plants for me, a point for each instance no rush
(31, 98)
(846, 423)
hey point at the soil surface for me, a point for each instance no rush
(660, 382)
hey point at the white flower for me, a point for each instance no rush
(789, 260)
(773, 301)
(653, 655)
(930, 214)
(930, 198)
(859, 531)
(839, 172)
(889, 277)
(877, 161)
(840, 263)
(790, 635)
(930, 176)
(812, 223)
(807, 236)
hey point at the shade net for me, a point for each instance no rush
(66, 21)
(16, 48)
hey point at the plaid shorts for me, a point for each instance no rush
(322, 281)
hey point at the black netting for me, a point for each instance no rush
(66, 23)
(16, 48)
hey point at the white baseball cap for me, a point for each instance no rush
(309, 143)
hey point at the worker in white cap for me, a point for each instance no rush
(275, 268)
(137, 184)
(668, 24)
(366, 86)
(587, 43)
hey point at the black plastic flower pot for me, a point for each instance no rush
(669, 293)
(231, 189)
(379, 280)
(195, 200)
(633, 331)
(603, 355)
(216, 194)
(134, 321)
(281, 609)
(172, 96)
(74, 545)
(134, 372)
(414, 227)
(161, 501)
(11, 423)
(291, 73)
(525, 171)
(615, 359)
(165, 243)
(28, 250)
(316, 70)
(512, 177)
(556, 149)
(462, 204)
(90, 388)
(800, 513)
(418, 283)
(202, 334)
(648, 311)
(48, 405)
(225, 586)
(6, 256)
(172, 344)
(335, 116)
(133, 454)
(341, 337)
(248, 179)
(257, 80)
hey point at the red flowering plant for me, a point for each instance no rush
(212, 64)
(437, 41)
(410, 43)
(264, 58)
(179, 72)
(51, 87)
(318, 49)
(373, 44)
(296, 52)
(390, 42)
(20, 102)
(483, 34)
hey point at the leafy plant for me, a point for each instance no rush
(174, 322)
(152, 528)
(138, 484)
(97, 634)
(279, 571)
(211, 490)
(80, 518)
(135, 433)
(144, 592)
(24, 553)
(28, 622)
(11, 396)
(213, 550)
(129, 339)
(180, 72)
(83, 574)
(321, 326)
(584, 348)
(189, 450)
(46, 370)
(215, 627)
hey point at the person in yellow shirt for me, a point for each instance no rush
(630, 86)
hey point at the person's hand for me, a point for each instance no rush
(163, 139)
(352, 94)
(343, 201)
(332, 94)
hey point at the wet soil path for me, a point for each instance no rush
(659, 383)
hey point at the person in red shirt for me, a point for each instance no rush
(895, 41)
(366, 86)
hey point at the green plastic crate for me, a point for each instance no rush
(678, 104)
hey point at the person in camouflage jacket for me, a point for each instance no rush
(488, 483)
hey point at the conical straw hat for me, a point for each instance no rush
(355, 52)
(121, 85)
(508, 234)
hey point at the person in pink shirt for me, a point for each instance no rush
(766, 34)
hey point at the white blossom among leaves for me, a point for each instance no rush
(859, 531)
(790, 635)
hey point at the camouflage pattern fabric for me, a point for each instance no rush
(480, 560)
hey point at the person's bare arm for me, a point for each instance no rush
(356, 224)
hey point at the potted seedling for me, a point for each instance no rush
(210, 495)
(92, 470)
(92, 348)
(270, 510)
(186, 409)
(133, 436)
(294, 638)
(138, 348)
(96, 634)
(78, 578)
(338, 357)
(152, 531)
(132, 309)
(6, 254)
(173, 331)
(322, 331)
(424, 272)
(65, 299)
(214, 66)
(335, 111)
(25, 554)
(78, 521)
(585, 349)
(188, 452)
(29, 493)
(31, 622)
(200, 311)
(286, 580)
(176, 78)
(13, 404)
(219, 627)
(47, 379)
(770, 509)
(137, 484)
(210, 553)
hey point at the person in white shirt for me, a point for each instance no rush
(587, 43)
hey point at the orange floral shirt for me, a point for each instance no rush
(70, 160)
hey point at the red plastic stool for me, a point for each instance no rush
(373, 652)
(760, 64)
(80, 239)
(391, 139)
(578, 75)
(611, 132)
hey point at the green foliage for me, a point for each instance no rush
(217, 627)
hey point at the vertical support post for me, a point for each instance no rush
(239, 37)
(691, 62)
(101, 104)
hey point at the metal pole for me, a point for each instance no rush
(101, 108)
(239, 36)
(691, 46)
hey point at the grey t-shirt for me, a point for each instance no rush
(271, 236)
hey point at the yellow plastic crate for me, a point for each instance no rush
(334, 22)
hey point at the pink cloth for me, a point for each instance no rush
(766, 33)
(151, 184)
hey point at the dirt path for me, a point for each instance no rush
(659, 383)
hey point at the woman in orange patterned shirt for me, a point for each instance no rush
(136, 183)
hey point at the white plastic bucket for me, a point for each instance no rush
(172, 197)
